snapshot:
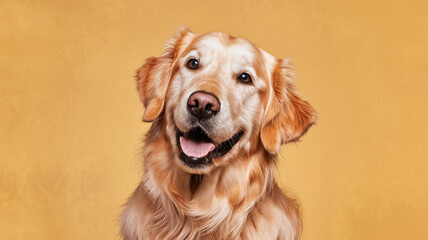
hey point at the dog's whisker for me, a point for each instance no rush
(243, 129)
(162, 117)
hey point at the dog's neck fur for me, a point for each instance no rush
(195, 182)
(204, 204)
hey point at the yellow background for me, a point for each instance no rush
(70, 115)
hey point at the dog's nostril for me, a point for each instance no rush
(203, 105)
(195, 103)
(208, 107)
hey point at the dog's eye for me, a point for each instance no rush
(244, 78)
(192, 64)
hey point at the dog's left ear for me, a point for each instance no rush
(288, 116)
(154, 76)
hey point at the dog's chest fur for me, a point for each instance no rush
(226, 204)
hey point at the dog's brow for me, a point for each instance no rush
(193, 52)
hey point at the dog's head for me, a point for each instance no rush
(221, 97)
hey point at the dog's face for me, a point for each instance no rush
(221, 97)
(215, 99)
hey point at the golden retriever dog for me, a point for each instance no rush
(220, 109)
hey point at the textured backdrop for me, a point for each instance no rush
(70, 125)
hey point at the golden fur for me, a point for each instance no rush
(235, 197)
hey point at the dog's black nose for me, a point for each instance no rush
(203, 105)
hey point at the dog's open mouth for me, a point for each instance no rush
(197, 149)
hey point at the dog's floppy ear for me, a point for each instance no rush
(154, 76)
(288, 115)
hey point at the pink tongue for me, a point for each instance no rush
(195, 149)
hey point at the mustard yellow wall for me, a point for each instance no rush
(70, 124)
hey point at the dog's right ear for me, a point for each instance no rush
(154, 76)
